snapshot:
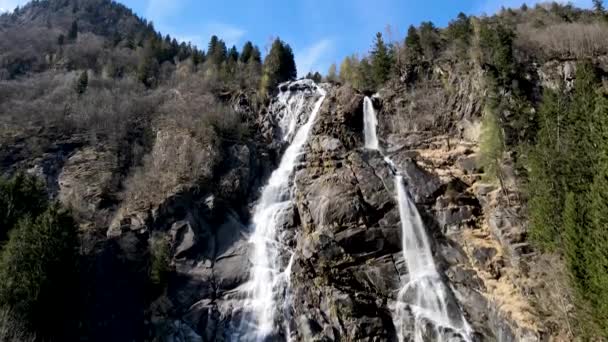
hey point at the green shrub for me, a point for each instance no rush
(159, 261)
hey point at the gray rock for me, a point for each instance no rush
(184, 238)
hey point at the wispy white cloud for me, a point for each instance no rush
(493, 6)
(10, 5)
(160, 10)
(231, 35)
(314, 57)
(164, 14)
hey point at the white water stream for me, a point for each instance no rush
(421, 312)
(270, 277)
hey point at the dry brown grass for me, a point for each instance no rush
(565, 40)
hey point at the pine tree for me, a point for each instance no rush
(598, 268)
(279, 65)
(217, 51)
(367, 75)
(430, 40)
(598, 6)
(412, 42)
(73, 32)
(317, 77)
(147, 71)
(256, 55)
(233, 54)
(576, 229)
(82, 83)
(381, 61)
(20, 196)
(582, 134)
(546, 160)
(247, 52)
(496, 43)
(459, 33)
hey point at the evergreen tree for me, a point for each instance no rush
(381, 61)
(247, 52)
(82, 83)
(279, 65)
(459, 33)
(546, 160)
(73, 32)
(21, 196)
(61, 40)
(582, 132)
(256, 55)
(212, 46)
(217, 52)
(198, 57)
(598, 250)
(233, 54)
(147, 71)
(367, 75)
(412, 42)
(317, 77)
(37, 272)
(430, 40)
(496, 43)
(576, 221)
(598, 6)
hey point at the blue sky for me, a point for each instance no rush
(319, 31)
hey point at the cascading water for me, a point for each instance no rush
(370, 123)
(421, 312)
(269, 279)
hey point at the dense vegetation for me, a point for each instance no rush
(568, 197)
(38, 263)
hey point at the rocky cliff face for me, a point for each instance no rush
(343, 228)
(349, 263)
(345, 232)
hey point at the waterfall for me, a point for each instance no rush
(370, 124)
(421, 312)
(269, 277)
